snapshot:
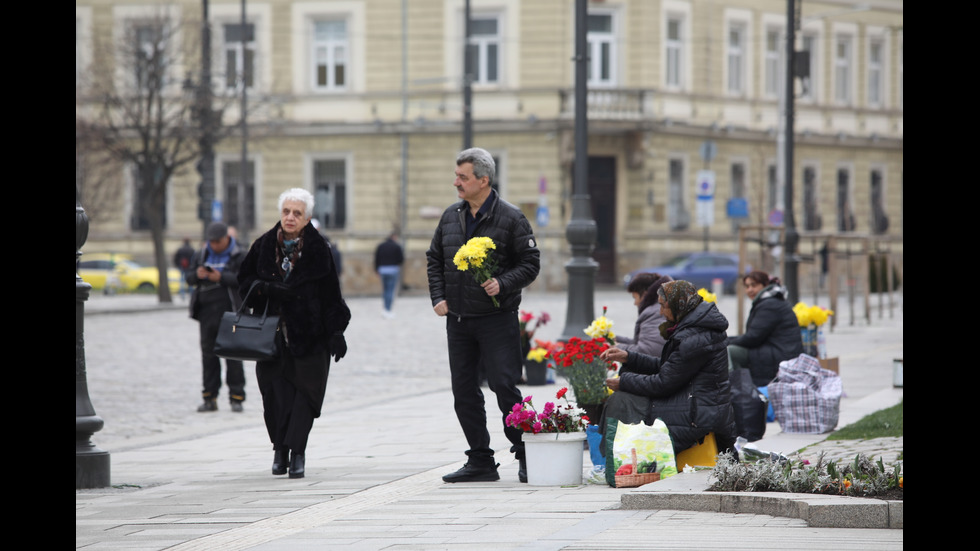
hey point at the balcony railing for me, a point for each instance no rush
(617, 104)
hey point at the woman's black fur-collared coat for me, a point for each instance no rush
(317, 311)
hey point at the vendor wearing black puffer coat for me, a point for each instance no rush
(772, 333)
(687, 386)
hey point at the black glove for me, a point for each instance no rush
(338, 346)
(277, 290)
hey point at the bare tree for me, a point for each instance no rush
(141, 114)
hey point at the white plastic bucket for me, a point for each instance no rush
(554, 458)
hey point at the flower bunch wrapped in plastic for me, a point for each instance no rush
(811, 315)
(475, 256)
(551, 418)
(707, 296)
(601, 327)
(578, 361)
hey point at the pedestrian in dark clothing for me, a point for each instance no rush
(293, 268)
(477, 328)
(388, 260)
(182, 261)
(772, 332)
(214, 276)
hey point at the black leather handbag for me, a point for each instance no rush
(248, 336)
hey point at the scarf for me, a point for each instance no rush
(287, 253)
(682, 298)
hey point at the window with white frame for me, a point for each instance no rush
(330, 192)
(876, 72)
(843, 67)
(674, 74)
(736, 58)
(483, 50)
(845, 206)
(231, 179)
(677, 216)
(602, 49)
(772, 62)
(811, 209)
(811, 84)
(330, 55)
(879, 219)
(149, 63)
(143, 180)
(239, 55)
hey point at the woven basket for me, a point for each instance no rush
(634, 480)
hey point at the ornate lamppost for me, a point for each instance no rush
(91, 463)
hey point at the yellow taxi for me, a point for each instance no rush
(118, 272)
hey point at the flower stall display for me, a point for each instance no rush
(811, 320)
(601, 328)
(578, 361)
(476, 257)
(529, 325)
(552, 440)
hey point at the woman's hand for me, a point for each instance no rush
(613, 384)
(615, 355)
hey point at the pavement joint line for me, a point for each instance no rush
(272, 529)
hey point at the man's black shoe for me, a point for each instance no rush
(522, 470)
(473, 473)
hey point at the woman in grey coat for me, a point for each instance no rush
(646, 335)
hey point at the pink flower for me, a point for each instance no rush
(537, 427)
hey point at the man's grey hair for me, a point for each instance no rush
(298, 194)
(482, 161)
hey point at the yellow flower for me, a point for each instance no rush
(601, 327)
(811, 315)
(706, 295)
(537, 354)
(802, 312)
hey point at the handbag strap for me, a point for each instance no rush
(241, 308)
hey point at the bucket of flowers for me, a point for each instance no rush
(552, 439)
(811, 320)
(578, 361)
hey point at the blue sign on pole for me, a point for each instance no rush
(217, 212)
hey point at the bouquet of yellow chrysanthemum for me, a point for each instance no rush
(475, 256)
(601, 327)
(706, 295)
(810, 319)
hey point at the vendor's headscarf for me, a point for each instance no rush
(682, 298)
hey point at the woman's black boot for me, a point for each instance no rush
(280, 462)
(297, 465)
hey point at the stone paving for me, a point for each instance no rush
(184, 480)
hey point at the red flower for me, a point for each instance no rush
(561, 392)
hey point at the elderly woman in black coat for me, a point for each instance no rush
(292, 267)
(687, 387)
(772, 333)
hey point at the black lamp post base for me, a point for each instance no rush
(91, 469)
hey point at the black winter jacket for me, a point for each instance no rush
(688, 384)
(317, 310)
(772, 334)
(517, 255)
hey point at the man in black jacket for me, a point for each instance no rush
(214, 276)
(477, 329)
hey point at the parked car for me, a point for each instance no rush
(701, 269)
(118, 272)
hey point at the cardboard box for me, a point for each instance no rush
(831, 364)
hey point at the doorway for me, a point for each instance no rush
(602, 194)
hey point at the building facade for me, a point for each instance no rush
(360, 102)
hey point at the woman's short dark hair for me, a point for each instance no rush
(642, 282)
(760, 277)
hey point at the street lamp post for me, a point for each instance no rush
(581, 231)
(792, 236)
(204, 114)
(91, 463)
